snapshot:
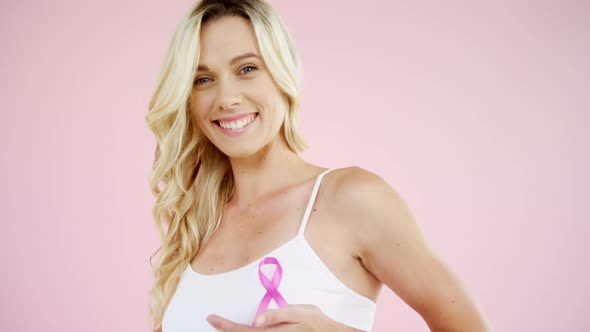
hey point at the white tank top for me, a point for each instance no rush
(236, 294)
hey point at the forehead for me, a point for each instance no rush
(225, 37)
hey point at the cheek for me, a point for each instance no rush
(272, 104)
(279, 109)
(200, 106)
(272, 111)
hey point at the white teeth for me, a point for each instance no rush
(238, 124)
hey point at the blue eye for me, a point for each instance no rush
(248, 71)
(204, 80)
(200, 80)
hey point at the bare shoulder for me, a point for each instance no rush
(359, 186)
(369, 208)
(366, 204)
(392, 248)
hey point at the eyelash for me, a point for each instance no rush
(196, 82)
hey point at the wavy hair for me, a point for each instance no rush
(192, 179)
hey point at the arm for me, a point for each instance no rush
(393, 249)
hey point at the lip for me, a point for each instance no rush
(236, 132)
(234, 117)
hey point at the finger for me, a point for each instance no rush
(289, 314)
(227, 325)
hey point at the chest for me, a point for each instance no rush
(246, 235)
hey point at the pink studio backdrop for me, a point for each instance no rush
(477, 113)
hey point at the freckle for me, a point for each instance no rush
(314, 210)
(259, 233)
(397, 244)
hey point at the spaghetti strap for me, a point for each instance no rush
(311, 201)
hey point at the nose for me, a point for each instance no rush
(228, 95)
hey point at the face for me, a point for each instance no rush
(235, 102)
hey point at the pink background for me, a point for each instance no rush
(477, 113)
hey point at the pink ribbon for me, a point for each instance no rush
(271, 287)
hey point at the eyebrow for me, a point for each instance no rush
(234, 60)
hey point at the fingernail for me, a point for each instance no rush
(260, 320)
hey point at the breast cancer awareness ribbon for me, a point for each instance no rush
(272, 291)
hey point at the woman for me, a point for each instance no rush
(234, 195)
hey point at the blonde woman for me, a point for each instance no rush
(234, 197)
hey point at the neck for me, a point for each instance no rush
(271, 168)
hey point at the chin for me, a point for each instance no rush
(239, 152)
(246, 148)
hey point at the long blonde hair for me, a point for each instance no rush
(192, 179)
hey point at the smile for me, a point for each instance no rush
(236, 127)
